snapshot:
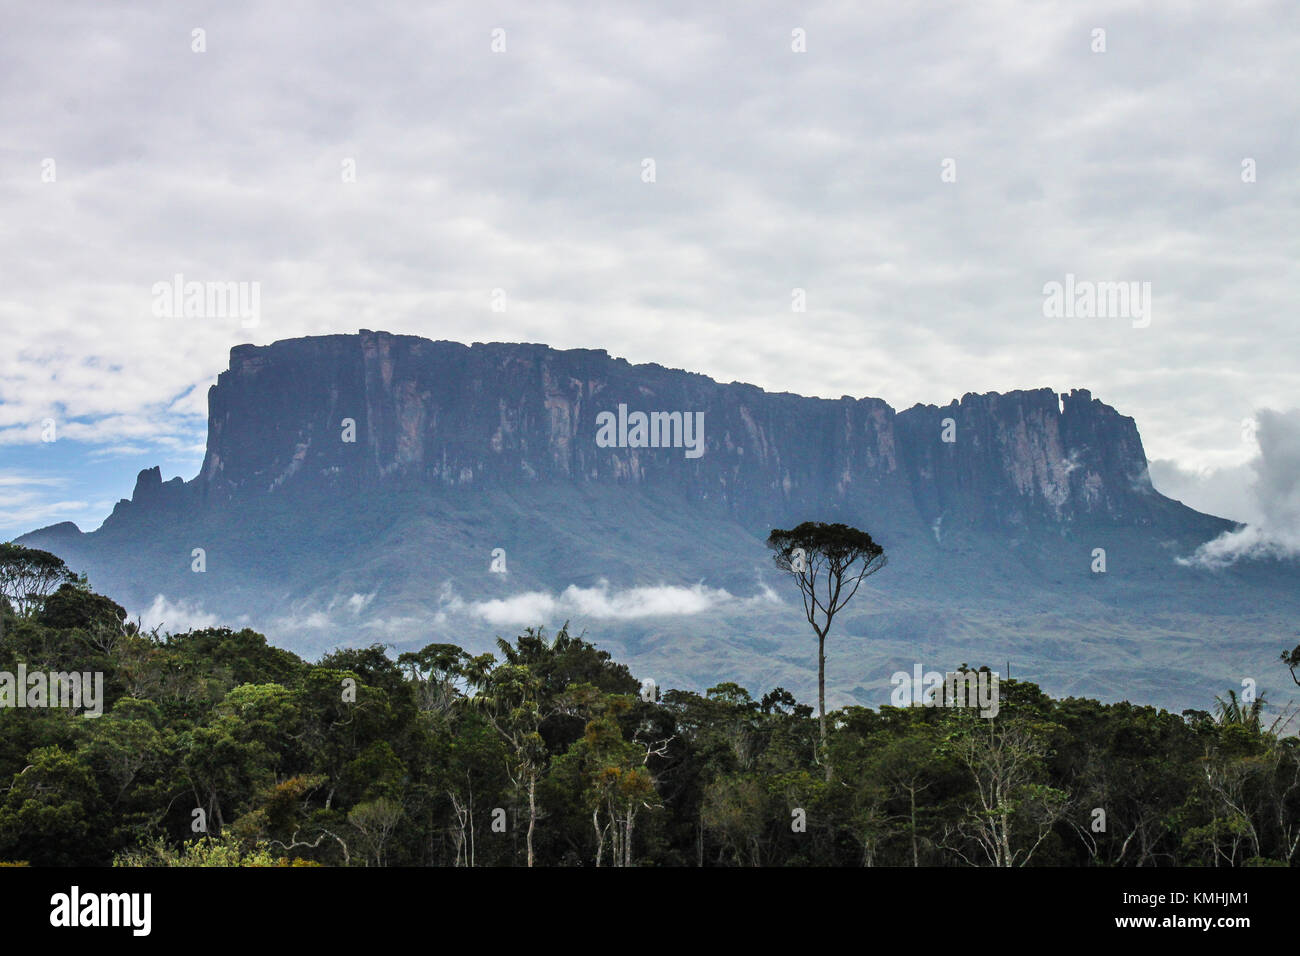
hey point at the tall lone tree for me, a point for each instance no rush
(829, 562)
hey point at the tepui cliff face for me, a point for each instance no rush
(356, 487)
(373, 411)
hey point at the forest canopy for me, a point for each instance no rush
(217, 748)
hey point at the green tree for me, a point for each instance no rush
(1015, 807)
(28, 576)
(829, 563)
(206, 851)
(510, 697)
(612, 772)
(50, 809)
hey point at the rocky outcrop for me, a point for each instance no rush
(1027, 456)
(358, 413)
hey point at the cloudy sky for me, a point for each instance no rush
(920, 171)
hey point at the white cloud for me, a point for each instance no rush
(177, 618)
(1275, 494)
(28, 500)
(528, 607)
(601, 603)
(18, 480)
(28, 511)
(358, 602)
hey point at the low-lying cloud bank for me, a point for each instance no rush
(1275, 492)
(179, 617)
(600, 603)
(526, 608)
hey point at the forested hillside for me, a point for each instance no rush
(215, 747)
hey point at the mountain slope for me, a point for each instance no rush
(355, 488)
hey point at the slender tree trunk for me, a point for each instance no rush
(458, 838)
(821, 699)
(615, 834)
(821, 686)
(627, 843)
(916, 856)
(532, 813)
(1004, 822)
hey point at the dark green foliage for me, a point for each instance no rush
(438, 757)
(28, 576)
(72, 606)
(839, 545)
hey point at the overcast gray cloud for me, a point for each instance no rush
(775, 170)
(1216, 491)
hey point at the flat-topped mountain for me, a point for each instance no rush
(377, 411)
(387, 487)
